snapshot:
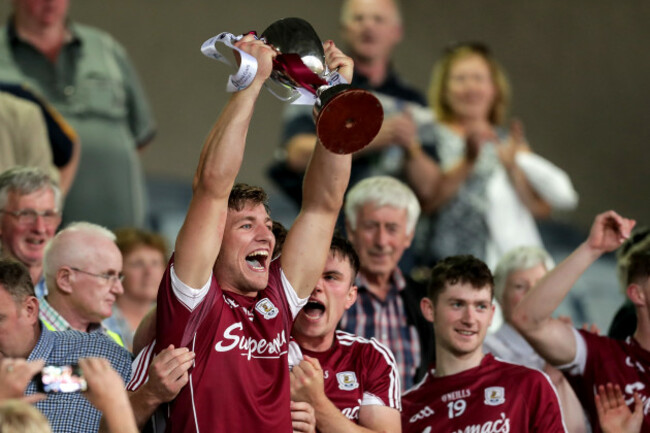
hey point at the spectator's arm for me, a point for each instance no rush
(507, 151)
(106, 392)
(15, 375)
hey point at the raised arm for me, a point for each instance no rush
(199, 239)
(307, 244)
(552, 338)
(106, 392)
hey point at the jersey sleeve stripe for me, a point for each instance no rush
(417, 385)
(394, 390)
(196, 419)
(394, 393)
(140, 367)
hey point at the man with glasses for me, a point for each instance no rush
(83, 270)
(23, 336)
(30, 212)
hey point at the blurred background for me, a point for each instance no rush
(578, 69)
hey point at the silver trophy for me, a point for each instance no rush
(347, 119)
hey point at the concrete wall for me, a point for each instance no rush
(579, 70)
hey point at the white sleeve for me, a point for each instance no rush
(295, 303)
(577, 366)
(551, 182)
(187, 295)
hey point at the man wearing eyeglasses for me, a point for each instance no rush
(30, 212)
(83, 270)
(24, 336)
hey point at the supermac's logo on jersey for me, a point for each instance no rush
(495, 395)
(267, 309)
(347, 380)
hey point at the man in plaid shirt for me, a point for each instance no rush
(22, 335)
(380, 214)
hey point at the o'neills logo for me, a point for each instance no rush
(251, 347)
(499, 426)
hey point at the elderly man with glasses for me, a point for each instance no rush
(30, 212)
(83, 271)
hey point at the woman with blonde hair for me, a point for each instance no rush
(493, 185)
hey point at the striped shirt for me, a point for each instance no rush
(52, 317)
(387, 322)
(55, 322)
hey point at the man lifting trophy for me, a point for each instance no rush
(347, 119)
(222, 296)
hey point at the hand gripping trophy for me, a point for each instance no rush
(347, 119)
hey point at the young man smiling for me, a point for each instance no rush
(468, 390)
(222, 296)
(351, 382)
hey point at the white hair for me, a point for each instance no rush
(26, 180)
(519, 259)
(382, 191)
(58, 252)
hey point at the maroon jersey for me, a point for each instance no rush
(602, 359)
(495, 397)
(358, 372)
(240, 378)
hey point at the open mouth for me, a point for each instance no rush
(257, 260)
(314, 309)
(35, 242)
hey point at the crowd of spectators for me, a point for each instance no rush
(371, 311)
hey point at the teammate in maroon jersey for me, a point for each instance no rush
(352, 383)
(222, 296)
(469, 391)
(587, 359)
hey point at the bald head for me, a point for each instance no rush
(78, 245)
(83, 266)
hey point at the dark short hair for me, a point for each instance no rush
(130, 238)
(15, 279)
(343, 248)
(638, 269)
(280, 233)
(464, 269)
(243, 194)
